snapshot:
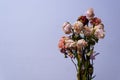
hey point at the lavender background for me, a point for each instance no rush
(30, 31)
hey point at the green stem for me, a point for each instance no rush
(83, 65)
(79, 68)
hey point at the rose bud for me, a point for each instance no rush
(90, 13)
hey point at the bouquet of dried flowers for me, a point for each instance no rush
(79, 43)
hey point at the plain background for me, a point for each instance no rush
(30, 31)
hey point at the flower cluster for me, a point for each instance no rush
(83, 34)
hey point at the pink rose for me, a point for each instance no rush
(99, 33)
(67, 28)
(90, 13)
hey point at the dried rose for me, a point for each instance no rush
(83, 19)
(77, 27)
(100, 26)
(81, 43)
(61, 43)
(90, 13)
(88, 30)
(69, 43)
(99, 33)
(95, 21)
(67, 28)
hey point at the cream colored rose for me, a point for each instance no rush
(81, 43)
(78, 26)
(100, 26)
(88, 30)
(69, 43)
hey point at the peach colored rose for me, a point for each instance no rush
(61, 43)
